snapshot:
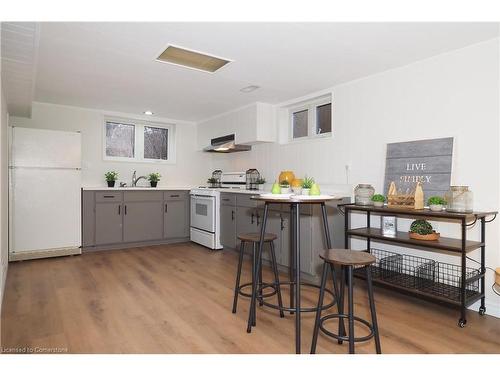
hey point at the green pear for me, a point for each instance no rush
(314, 190)
(276, 189)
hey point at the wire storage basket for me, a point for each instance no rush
(217, 174)
(427, 275)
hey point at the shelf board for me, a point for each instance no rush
(444, 243)
(444, 293)
(421, 213)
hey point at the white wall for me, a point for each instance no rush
(454, 94)
(4, 250)
(190, 167)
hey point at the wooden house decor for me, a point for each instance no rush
(410, 199)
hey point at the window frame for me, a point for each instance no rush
(139, 141)
(310, 106)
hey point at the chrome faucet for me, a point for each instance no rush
(134, 179)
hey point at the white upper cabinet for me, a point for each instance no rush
(250, 125)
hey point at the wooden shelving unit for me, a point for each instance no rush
(469, 285)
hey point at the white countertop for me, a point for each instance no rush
(148, 188)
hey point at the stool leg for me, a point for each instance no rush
(337, 298)
(372, 310)
(351, 309)
(274, 265)
(319, 306)
(238, 275)
(261, 300)
(254, 284)
(340, 304)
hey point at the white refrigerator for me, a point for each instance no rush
(45, 193)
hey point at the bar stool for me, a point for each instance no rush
(347, 260)
(254, 239)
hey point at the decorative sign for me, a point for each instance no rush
(428, 161)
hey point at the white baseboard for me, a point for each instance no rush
(45, 253)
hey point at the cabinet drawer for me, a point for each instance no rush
(143, 196)
(245, 200)
(175, 195)
(102, 196)
(228, 199)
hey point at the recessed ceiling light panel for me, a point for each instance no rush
(148, 113)
(192, 59)
(249, 88)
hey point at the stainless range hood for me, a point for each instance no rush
(226, 144)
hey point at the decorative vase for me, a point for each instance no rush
(288, 176)
(111, 183)
(305, 191)
(363, 194)
(378, 204)
(285, 190)
(153, 183)
(459, 199)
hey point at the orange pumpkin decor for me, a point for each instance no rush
(286, 176)
(296, 183)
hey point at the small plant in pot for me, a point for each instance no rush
(436, 203)
(422, 230)
(285, 187)
(378, 200)
(306, 185)
(154, 178)
(213, 182)
(260, 183)
(111, 178)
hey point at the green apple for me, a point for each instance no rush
(276, 189)
(314, 190)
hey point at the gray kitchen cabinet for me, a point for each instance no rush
(176, 218)
(142, 221)
(108, 223)
(246, 222)
(228, 226)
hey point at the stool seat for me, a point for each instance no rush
(345, 257)
(255, 237)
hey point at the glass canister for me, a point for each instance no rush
(459, 199)
(363, 194)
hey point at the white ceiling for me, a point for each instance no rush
(18, 51)
(111, 65)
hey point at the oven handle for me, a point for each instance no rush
(202, 196)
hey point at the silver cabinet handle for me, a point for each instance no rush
(252, 218)
(282, 223)
(119, 209)
(125, 209)
(232, 215)
(166, 207)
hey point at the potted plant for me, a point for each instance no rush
(260, 182)
(285, 187)
(436, 203)
(213, 182)
(154, 178)
(422, 230)
(111, 177)
(306, 185)
(378, 200)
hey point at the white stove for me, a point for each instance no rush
(205, 209)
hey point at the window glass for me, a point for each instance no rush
(300, 124)
(155, 143)
(324, 118)
(120, 140)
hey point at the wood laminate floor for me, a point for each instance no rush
(177, 299)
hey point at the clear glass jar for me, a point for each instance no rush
(363, 194)
(459, 199)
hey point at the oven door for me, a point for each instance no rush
(203, 212)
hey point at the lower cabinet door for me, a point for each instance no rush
(108, 223)
(228, 226)
(142, 221)
(176, 219)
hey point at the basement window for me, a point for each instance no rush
(311, 119)
(130, 140)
